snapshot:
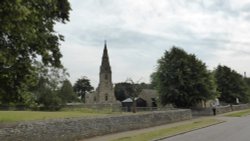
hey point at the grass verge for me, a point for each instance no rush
(167, 132)
(239, 113)
(16, 116)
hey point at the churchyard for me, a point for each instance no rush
(18, 116)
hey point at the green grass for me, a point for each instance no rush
(166, 132)
(15, 116)
(240, 113)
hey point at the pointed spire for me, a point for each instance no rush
(105, 51)
(105, 66)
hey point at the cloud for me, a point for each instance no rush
(138, 33)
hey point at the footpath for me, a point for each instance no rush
(110, 137)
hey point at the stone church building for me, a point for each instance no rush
(104, 93)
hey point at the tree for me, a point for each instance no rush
(45, 96)
(82, 86)
(66, 93)
(182, 79)
(247, 81)
(231, 85)
(146, 86)
(121, 90)
(46, 91)
(154, 80)
(27, 33)
(133, 90)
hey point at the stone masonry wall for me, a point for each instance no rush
(79, 128)
(223, 109)
(219, 110)
(240, 107)
(202, 112)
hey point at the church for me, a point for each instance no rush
(104, 93)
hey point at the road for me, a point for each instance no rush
(235, 129)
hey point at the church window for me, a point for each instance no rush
(94, 99)
(106, 76)
(106, 97)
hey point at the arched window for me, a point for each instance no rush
(94, 99)
(106, 76)
(106, 97)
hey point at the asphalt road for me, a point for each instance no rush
(235, 129)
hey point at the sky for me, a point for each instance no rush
(138, 32)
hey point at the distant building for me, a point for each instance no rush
(104, 93)
(147, 98)
(150, 96)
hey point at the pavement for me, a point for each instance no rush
(110, 137)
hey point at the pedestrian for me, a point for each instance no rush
(214, 110)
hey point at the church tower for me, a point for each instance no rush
(105, 91)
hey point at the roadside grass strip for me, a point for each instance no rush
(239, 113)
(171, 131)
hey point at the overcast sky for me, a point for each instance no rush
(139, 31)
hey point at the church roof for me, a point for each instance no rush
(129, 100)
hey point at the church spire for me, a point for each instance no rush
(105, 66)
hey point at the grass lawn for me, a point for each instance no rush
(239, 113)
(166, 132)
(14, 116)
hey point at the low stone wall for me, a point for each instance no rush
(202, 112)
(240, 107)
(219, 110)
(79, 128)
(223, 109)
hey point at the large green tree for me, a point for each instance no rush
(49, 91)
(182, 79)
(45, 96)
(247, 81)
(231, 85)
(121, 90)
(27, 34)
(82, 86)
(66, 93)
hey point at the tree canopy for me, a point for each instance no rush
(182, 79)
(122, 89)
(231, 85)
(27, 34)
(133, 91)
(66, 93)
(51, 91)
(82, 86)
(121, 92)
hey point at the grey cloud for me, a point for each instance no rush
(140, 50)
(215, 6)
(246, 8)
